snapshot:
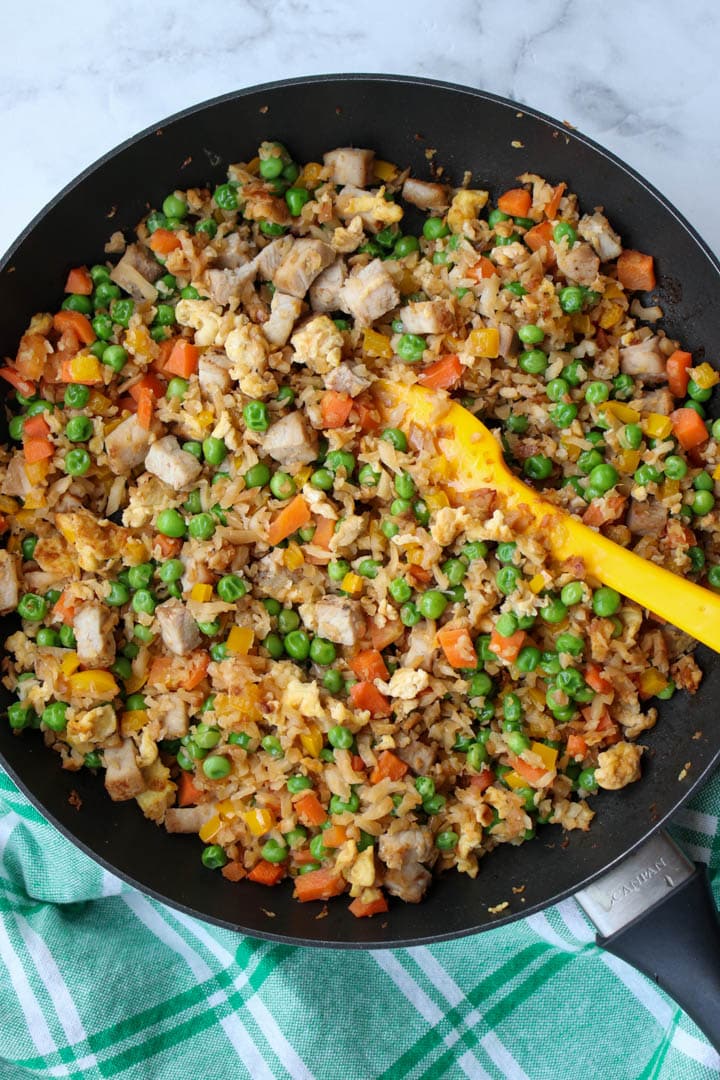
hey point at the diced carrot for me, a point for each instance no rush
(576, 746)
(36, 427)
(483, 268)
(419, 573)
(303, 857)
(553, 204)
(163, 241)
(291, 518)
(606, 725)
(168, 545)
(369, 665)
(160, 672)
(362, 909)
(389, 767)
(334, 836)
(164, 350)
(37, 449)
(335, 408)
(310, 810)
(456, 643)
(678, 372)
(264, 873)
(31, 356)
(688, 428)
(188, 794)
(79, 281)
(482, 780)
(234, 871)
(324, 530)
(319, 885)
(540, 236)
(529, 772)
(357, 762)
(18, 381)
(183, 359)
(195, 667)
(77, 322)
(368, 418)
(443, 374)
(65, 608)
(636, 271)
(145, 407)
(382, 636)
(595, 680)
(516, 202)
(149, 383)
(507, 648)
(365, 695)
(67, 347)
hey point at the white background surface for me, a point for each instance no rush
(640, 76)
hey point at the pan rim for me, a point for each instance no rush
(345, 78)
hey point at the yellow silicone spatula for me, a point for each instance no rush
(476, 460)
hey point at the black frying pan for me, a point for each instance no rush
(401, 118)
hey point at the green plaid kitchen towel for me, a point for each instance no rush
(99, 981)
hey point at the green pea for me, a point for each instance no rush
(399, 507)
(257, 476)
(409, 615)
(340, 737)
(675, 467)
(282, 486)
(201, 526)
(596, 393)
(572, 593)
(399, 590)
(515, 288)
(432, 604)
(396, 438)
(139, 577)
(337, 569)
(296, 784)
(512, 708)
(586, 780)
(446, 840)
(79, 429)
(528, 658)
(538, 467)
(297, 644)
(368, 568)
(411, 348)
(76, 302)
(505, 241)
(589, 460)
(322, 651)
(256, 416)
(564, 231)
(556, 389)
(225, 197)
(605, 601)
(647, 474)
(434, 228)
(15, 427)
(322, 479)
(474, 549)
(603, 478)
(143, 633)
(563, 414)
(434, 804)
(405, 485)
(119, 594)
(455, 570)
(703, 482)
(47, 638)
(406, 245)
(496, 216)
(214, 450)
(333, 681)
(507, 579)
(533, 361)
(531, 334)
(623, 387)
(630, 436)
(703, 502)
(231, 588)
(171, 523)
(553, 612)
(288, 620)
(53, 716)
(213, 856)
(574, 373)
(77, 462)
(32, 607)
(194, 448)
(28, 545)
(476, 756)
(216, 767)
(506, 624)
(368, 477)
(697, 393)
(274, 645)
(516, 741)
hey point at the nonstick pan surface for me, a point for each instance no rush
(403, 119)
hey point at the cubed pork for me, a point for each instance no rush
(272, 255)
(369, 293)
(9, 590)
(126, 445)
(346, 380)
(188, 819)
(304, 261)
(93, 626)
(136, 272)
(213, 373)
(339, 620)
(226, 285)
(325, 289)
(426, 195)
(178, 628)
(577, 263)
(290, 441)
(644, 361)
(350, 165)
(172, 712)
(404, 853)
(123, 779)
(428, 317)
(234, 252)
(647, 518)
(596, 229)
(174, 466)
(284, 310)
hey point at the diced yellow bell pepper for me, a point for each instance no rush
(136, 682)
(582, 324)
(247, 704)
(619, 411)
(210, 829)
(352, 584)
(548, 754)
(441, 467)
(70, 663)
(302, 476)
(95, 682)
(652, 682)
(572, 449)
(138, 341)
(453, 343)
(201, 593)
(611, 316)
(537, 583)
(253, 166)
(628, 460)
(8, 505)
(25, 518)
(312, 741)
(310, 177)
(375, 344)
(259, 821)
(239, 640)
(484, 342)
(705, 376)
(205, 417)
(85, 368)
(227, 808)
(436, 500)
(293, 557)
(716, 473)
(537, 696)
(657, 426)
(132, 721)
(669, 488)
(514, 780)
(613, 291)
(36, 472)
(415, 554)
(385, 171)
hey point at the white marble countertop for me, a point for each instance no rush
(642, 79)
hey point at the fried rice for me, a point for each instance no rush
(267, 615)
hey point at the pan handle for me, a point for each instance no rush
(672, 934)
